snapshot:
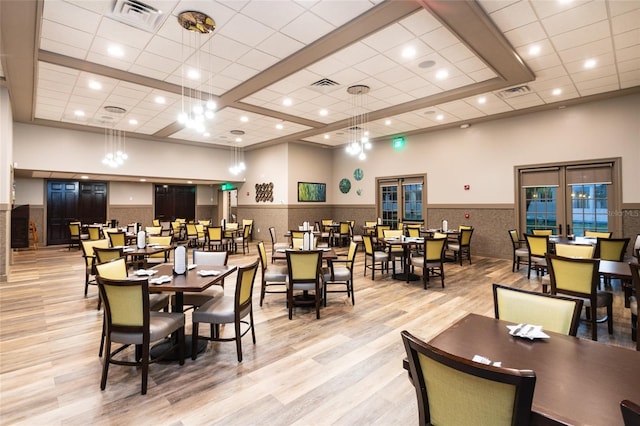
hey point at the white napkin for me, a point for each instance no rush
(191, 266)
(127, 250)
(161, 279)
(527, 331)
(205, 273)
(145, 272)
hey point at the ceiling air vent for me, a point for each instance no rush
(325, 85)
(137, 15)
(514, 92)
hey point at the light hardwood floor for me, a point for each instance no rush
(345, 368)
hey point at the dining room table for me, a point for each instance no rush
(407, 243)
(196, 279)
(138, 255)
(578, 381)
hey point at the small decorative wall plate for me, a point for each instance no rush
(358, 174)
(345, 185)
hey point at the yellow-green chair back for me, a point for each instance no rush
(115, 269)
(611, 248)
(117, 239)
(542, 232)
(598, 234)
(94, 233)
(573, 276)
(434, 248)
(554, 313)
(584, 251)
(538, 244)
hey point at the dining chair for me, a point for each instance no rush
(275, 245)
(538, 246)
(579, 278)
(89, 259)
(630, 413)
(228, 310)
(95, 233)
(553, 312)
(611, 248)
(395, 252)
(273, 276)
(431, 260)
(633, 302)
(249, 222)
(548, 232)
(598, 234)
(117, 238)
(75, 234)
(340, 273)
(304, 269)
(130, 321)
(520, 250)
(162, 257)
(117, 269)
(155, 222)
(106, 254)
(344, 233)
(379, 235)
(413, 231)
(153, 230)
(243, 239)
(193, 237)
(206, 258)
(357, 238)
(584, 251)
(462, 247)
(215, 240)
(452, 390)
(375, 256)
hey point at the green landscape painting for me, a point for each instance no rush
(312, 192)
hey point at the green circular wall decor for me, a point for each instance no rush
(345, 185)
(359, 191)
(358, 174)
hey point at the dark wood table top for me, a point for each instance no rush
(578, 381)
(192, 281)
(133, 250)
(558, 239)
(615, 269)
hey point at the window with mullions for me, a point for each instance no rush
(401, 199)
(412, 201)
(589, 208)
(390, 205)
(541, 207)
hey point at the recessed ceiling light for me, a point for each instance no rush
(387, 122)
(439, 117)
(408, 52)
(465, 126)
(143, 180)
(590, 63)
(327, 136)
(244, 118)
(189, 181)
(287, 102)
(206, 134)
(160, 100)
(193, 74)
(442, 74)
(115, 51)
(324, 112)
(133, 121)
(279, 126)
(78, 113)
(238, 139)
(534, 50)
(84, 177)
(556, 92)
(426, 64)
(482, 100)
(95, 85)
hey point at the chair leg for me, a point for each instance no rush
(145, 368)
(594, 323)
(194, 341)
(238, 341)
(610, 318)
(107, 360)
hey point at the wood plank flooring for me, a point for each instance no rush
(343, 369)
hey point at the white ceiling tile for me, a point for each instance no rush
(545, 48)
(599, 89)
(279, 45)
(66, 35)
(629, 79)
(628, 53)
(628, 39)
(610, 80)
(439, 38)
(550, 73)
(123, 34)
(257, 60)
(275, 14)
(420, 23)
(547, 8)
(376, 65)
(340, 12)
(626, 22)
(513, 16)
(471, 65)
(620, 7)
(482, 75)
(596, 73)
(490, 6)
(581, 36)
(456, 53)
(630, 66)
(388, 38)
(71, 16)
(238, 71)
(63, 49)
(526, 34)
(543, 62)
(394, 75)
(525, 101)
(246, 30)
(307, 28)
(587, 51)
(576, 17)
(173, 49)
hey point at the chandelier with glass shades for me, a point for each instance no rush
(114, 141)
(358, 141)
(237, 156)
(197, 106)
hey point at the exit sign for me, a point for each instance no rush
(398, 143)
(226, 187)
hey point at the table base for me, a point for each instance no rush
(161, 347)
(406, 276)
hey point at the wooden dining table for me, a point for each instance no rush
(327, 254)
(406, 243)
(191, 281)
(578, 381)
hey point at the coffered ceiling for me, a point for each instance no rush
(429, 64)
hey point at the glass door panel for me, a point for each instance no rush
(589, 207)
(389, 198)
(541, 209)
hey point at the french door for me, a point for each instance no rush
(570, 198)
(401, 199)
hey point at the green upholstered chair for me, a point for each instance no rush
(579, 278)
(274, 277)
(554, 313)
(130, 321)
(340, 273)
(456, 391)
(236, 310)
(431, 260)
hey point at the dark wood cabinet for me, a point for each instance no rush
(20, 227)
(172, 201)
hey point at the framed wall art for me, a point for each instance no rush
(312, 192)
